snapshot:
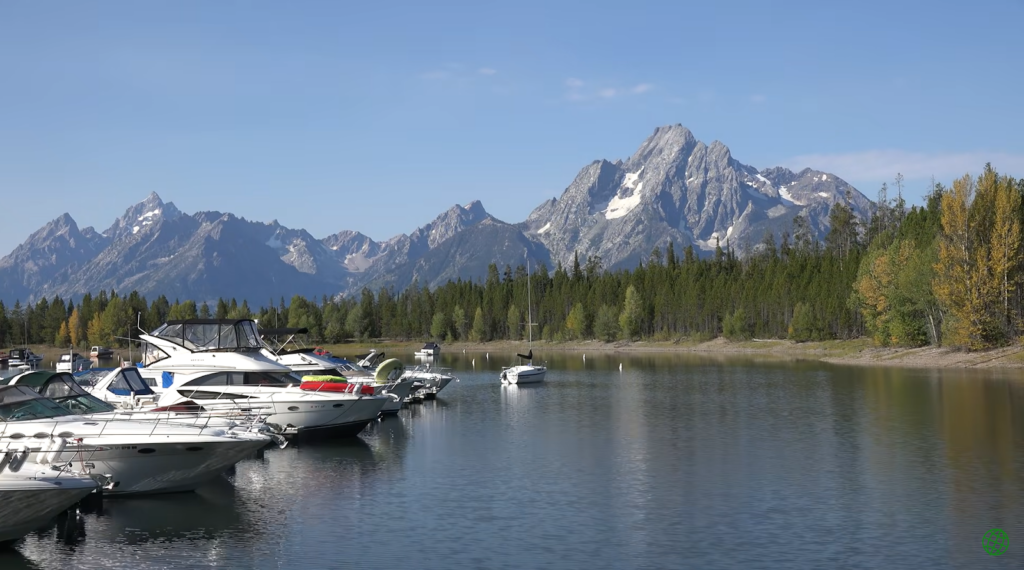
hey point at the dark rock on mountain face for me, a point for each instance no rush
(51, 255)
(674, 188)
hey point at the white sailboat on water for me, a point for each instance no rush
(525, 373)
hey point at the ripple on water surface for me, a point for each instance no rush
(674, 462)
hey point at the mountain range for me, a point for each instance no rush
(673, 189)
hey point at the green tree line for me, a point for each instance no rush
(947, 272)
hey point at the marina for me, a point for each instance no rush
(643, 467)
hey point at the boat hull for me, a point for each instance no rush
(29, 505)
(523, 375)
(401, 390)
(323, 419)
(153, 467)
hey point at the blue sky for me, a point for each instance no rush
(378, 116)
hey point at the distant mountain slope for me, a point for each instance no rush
(673, 188)
(676, 188)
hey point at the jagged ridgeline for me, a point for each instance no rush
(674, 189)
(948, 271)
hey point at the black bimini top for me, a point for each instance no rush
(283, 331)
(211, 334)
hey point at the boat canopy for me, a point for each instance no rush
(19, 403)
(119, 381)
(62, 388)
(200, 335)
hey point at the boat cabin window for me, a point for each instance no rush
(123, 382)
(18, 403)
(204, 335)
(243, 379)
(318, 372)
(152, 353)
(64, 390)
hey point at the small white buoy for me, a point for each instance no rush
(487, 355)
(620, 367)
(584, 357)
(474, 363)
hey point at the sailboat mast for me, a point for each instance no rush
(529, 304)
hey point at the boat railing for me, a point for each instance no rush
(49, 457)
(43, 429)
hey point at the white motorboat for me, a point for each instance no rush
(68, 391)
(123, 387)
(429, 350)
(32, 494)
(433, 378)
(125, 456)
(525, 373)
(18, 357)
(219, 365)
(306, 363)
(73, 362)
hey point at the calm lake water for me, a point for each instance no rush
(677, 461)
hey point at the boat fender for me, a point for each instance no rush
(15, 458)
(52, 451)
(166, 379)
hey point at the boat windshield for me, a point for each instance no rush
(346, 365)
(122, 381)
(318, 372)
(245, 379)
(18, 403)
(64, 390)
(206, 335)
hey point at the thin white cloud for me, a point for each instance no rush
(487, 71)
(884, 164)
(576, 91)
(757, 98)
(434, 75)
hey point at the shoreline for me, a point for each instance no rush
(857, 352)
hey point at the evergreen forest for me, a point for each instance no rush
(946, 273)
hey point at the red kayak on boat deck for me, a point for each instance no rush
(314, 386)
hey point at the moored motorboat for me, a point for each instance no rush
(434, 379)
(72, 362)
(67, 391)
(127, 456)
(219, 364)
(429, 350)
(385, 378)
(32, 494)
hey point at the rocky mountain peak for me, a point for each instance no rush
(142, 217)
(666, 144)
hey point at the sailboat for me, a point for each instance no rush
(525, 373)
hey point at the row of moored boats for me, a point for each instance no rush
(207, 394)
